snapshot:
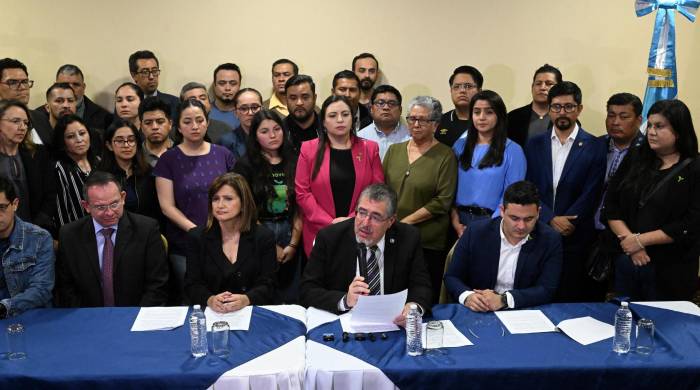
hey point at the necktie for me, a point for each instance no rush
(107, 267)
(373, 271)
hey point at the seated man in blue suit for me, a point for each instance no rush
(567, 165)
(512, 261)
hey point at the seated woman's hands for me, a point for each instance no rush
(227, 302)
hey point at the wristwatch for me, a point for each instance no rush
(504, 300)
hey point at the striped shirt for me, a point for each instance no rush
(69, 192)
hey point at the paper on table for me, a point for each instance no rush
(586, 330)
(159, 318)
(348, 326)
(679, 306)
(451, 336)
(376, 313)
(237, 320)
(525, 321)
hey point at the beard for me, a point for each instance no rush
(302, 117)
(366, 84)
(564, 123)
(226, 100)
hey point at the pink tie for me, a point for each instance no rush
(107, 267)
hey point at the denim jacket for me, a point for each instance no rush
(28, 265)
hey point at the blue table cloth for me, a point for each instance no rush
(552, 360)
(91, 348)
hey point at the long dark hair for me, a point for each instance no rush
(323, 135)
(678, 116)
(262, 169)
(494, 156)
(109, 161)
(59, 143)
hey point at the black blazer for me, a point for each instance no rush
(95, 116)
(140, 264)
(518, 124)
(332, 266)
(209, 272)
(42, 186)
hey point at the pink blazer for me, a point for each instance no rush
(315, 198)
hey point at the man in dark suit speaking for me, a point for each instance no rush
(513, 261)
(111, 257)
(370, 254)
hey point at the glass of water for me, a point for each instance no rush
(433, 335)
(219, 338)
(15, 342)
(645, 336)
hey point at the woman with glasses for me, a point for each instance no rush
(653, 207)
(423, 172)
(123, 157)
(248, 102)
(127, 99)
(488, 162)
(231, 258)
(268, 167)
(75, 157)
(183, 175)
(333, 169)
(26, 165)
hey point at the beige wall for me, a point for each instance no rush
(599, 44)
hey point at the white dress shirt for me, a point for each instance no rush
(372, 133)
(507, 265)
(560, 152)
(380, 263)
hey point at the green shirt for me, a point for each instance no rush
(429, 182)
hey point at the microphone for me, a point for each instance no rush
(362, 259)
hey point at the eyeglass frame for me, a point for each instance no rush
(572, 107)
(148, 72)
(381, 103)
(101, 208)
(373, 217)
(16, 121)
(121, 142)
(250, 109)
(15, 84)
(421, 122)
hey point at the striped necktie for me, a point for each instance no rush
(373, 271)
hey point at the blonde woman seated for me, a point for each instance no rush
(230, 261)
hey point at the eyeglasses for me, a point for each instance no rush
(131, 141)
(465, 86)
(568, 107)
(18, 122)
(386, 103)
(373, 217)
(420, 121)
(148, 72)
(103, 207)
(4, 207)
(16, 84)
(251, 109)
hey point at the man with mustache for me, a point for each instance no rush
(346, 83)
(366, 67)
(509, 262)
(60, 101)
(568, 165)
(465, 82)
(282, 70)
(227, 82)
(386, 128)
(374, 244)
(156, 124)
(302, 123)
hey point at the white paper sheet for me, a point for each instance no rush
(348, 326)
(159, 318)
(525, 321)
(376, 313)
(679, 306)
(586, 330)
(237, 320)
(451, 336)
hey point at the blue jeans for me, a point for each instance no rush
(466, 218)
(289, 273)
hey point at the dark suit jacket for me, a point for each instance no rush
(475, 263)
(365, 116)
(140, 265)
(333, 264)
(173, 102)
(42, 186)
(40, 123)
(518, 124)
(209, 272)
(580, 185)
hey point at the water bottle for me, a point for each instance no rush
(198, 332)
(623, 329)
(414, 328)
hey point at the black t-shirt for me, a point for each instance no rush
(297, 135)
(277, 205)
(342, 173)
(451, 128)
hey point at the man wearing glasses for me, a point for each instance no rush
(111, 257)
(370, 254)
(386, 128)
(465, 82)
(27, 257)
(15, 85)
(567, 165)
(145, 71)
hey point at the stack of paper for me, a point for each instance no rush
(451, 337)
(237, 320)
(586, 330)
(525, 321)
(159, 318)
(374, 313)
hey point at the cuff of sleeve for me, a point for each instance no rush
(511, 300)
(341, 304)
(463, 296)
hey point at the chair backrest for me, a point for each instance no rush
(444, 296)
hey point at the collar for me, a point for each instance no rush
(504, 240)
(274, 102)
(572, 136)
(16, 238)
(383, 134)
(99, 227)
(636, 141)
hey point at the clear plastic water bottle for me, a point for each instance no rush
(414, 328)
(198, 332)
(623, 329)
